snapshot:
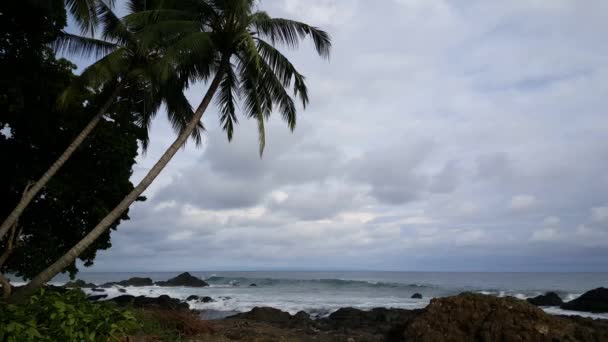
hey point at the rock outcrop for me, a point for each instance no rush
(548, 299)
(162, 302)
(135, 281)
(476, 317)
(416, 296)
(79, 283)
(592, 301)
(184, 279)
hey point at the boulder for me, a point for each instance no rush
(380, 318)
(416, 296)
(97, 290)
(97, 297)
(253, 285)
(477, 317)
(591, 301)
(79, 283)
(205, 299)
(266, 314)
(135, 281)
(548, 299)
(122, 290)
(184, 279)
(162, 302)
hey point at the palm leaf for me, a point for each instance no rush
(85, 47)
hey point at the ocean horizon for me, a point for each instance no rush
(321, 292)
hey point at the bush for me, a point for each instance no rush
(68, 316)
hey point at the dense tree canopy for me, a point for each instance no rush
(35, 132)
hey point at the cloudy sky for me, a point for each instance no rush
(441, 135)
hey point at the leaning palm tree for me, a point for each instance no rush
(247, 68)
(125, 61)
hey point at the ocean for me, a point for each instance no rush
(320, 293)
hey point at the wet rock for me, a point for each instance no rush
(78, 283)
(135, 281)
(265, 314)
(97, 290)
(184, 279)
(416, 296)
(253, 284)
(205, 299)
(477, 317)
(548, 299)
(591, 301)
(97, 297)
(162, 302)
(122, 290)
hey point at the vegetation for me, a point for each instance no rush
(242, 65)
(53, 316)
(35, 134)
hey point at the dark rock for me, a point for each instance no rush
(193, 297)
(135, 281)
(253, 284)
(184, 279)
(381, 318)
(301, 316)
(477, 317)
(97, 290)
(122, 290)
(206, 299)
(265, 314)
(97, 297)
(78, 283)
(591, 301)
(417, 296)
(548, 299)
(162, 302)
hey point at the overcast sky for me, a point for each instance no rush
(441, 135)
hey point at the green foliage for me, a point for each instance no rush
(36, 132)
(69, 316)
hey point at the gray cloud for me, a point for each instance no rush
(441, 135)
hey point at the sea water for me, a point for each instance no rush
(320, 293)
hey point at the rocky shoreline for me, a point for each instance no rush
(464, 317)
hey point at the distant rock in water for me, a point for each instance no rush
(122, 290)
(548, 299)
(253, 284)
(98, 290)
(97, 297)
(591, 301)
(162, 302)
(205, 299)
(184, 279)
(79, 283)
(135, 281)
(477, 317)
(417, 296)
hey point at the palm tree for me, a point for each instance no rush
(246, 68)
(125, 61)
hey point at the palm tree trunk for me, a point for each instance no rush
(103, 225)
(31, 193)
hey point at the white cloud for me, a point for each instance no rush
(523, 202)
(546, 234)
(600, 214)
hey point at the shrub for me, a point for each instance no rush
(68, 316)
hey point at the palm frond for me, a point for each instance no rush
(284, 70)
(290, 32)
(84, 12)
(113, 28)
(85, 47)
(228, 94)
